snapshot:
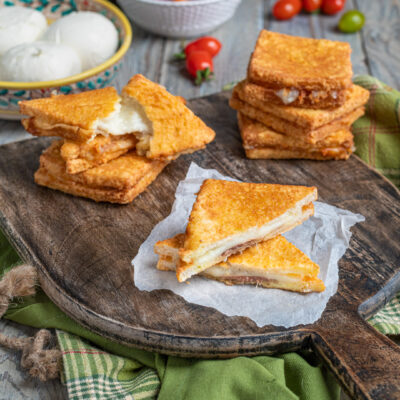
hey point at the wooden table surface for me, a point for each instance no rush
(376, 51)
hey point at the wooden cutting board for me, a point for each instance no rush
(83, 251)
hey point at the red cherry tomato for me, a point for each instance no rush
(311, 5)
(199, 64)
(207, 43)
(331, 7)
(286, 9)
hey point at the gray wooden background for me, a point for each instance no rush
(376, 51)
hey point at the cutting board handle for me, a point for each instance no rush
(366, 362)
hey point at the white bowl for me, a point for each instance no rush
(179, 18)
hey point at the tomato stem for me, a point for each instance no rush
(203, 75)
(199, 78)
(180, 56)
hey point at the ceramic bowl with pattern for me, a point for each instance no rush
(95, 78)
(179, 19)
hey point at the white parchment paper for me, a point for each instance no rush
(324, 238)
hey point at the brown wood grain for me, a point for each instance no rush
(83, 251)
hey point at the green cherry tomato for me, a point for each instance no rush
(351, 21)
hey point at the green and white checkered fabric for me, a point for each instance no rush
(387, 320)
(377, 133)
(91, 373)
(377, 139)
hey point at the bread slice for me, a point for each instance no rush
(255, 134)
(276, 153)
(260, 141)
(283, 61)
(80, 157)
(175, 129)
(73, 116)
(228, 217)
(118, 181)
(302, 120)
(317, 99)
(275, 263)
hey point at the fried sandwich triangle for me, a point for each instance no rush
(228, 217)
(275, 263)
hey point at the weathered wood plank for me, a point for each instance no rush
(381, 39)
(298, 26)
(12, 131)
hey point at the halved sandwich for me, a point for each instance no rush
(118, 181)
(301, 71)
(275, 263)
(259, 141)
(228, 217)
(296, 121)
(163, 125)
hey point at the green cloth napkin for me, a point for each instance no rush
(377, 133)
(96, 368)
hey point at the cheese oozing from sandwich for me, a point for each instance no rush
(275, 263)
(127, 117)
(289, 95)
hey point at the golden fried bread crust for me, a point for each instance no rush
(44, 178)
(256, 135)
(307, 119)
(298, 284)
(37, 126)
(227, 217)
(165, 263)
(306, 98)
(72, 113)
(176, 130)
(276, 256)
(120, 174)
(170, 247)
(102, 149)
(283, 61)
(276, 153)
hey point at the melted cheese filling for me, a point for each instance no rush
(127, 117)
(237, 271)
(289, 95)
(206, 257)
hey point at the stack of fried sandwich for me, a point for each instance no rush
(298, 100)
(234, 235)
(112, 146)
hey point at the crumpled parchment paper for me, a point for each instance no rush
(324, 238)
